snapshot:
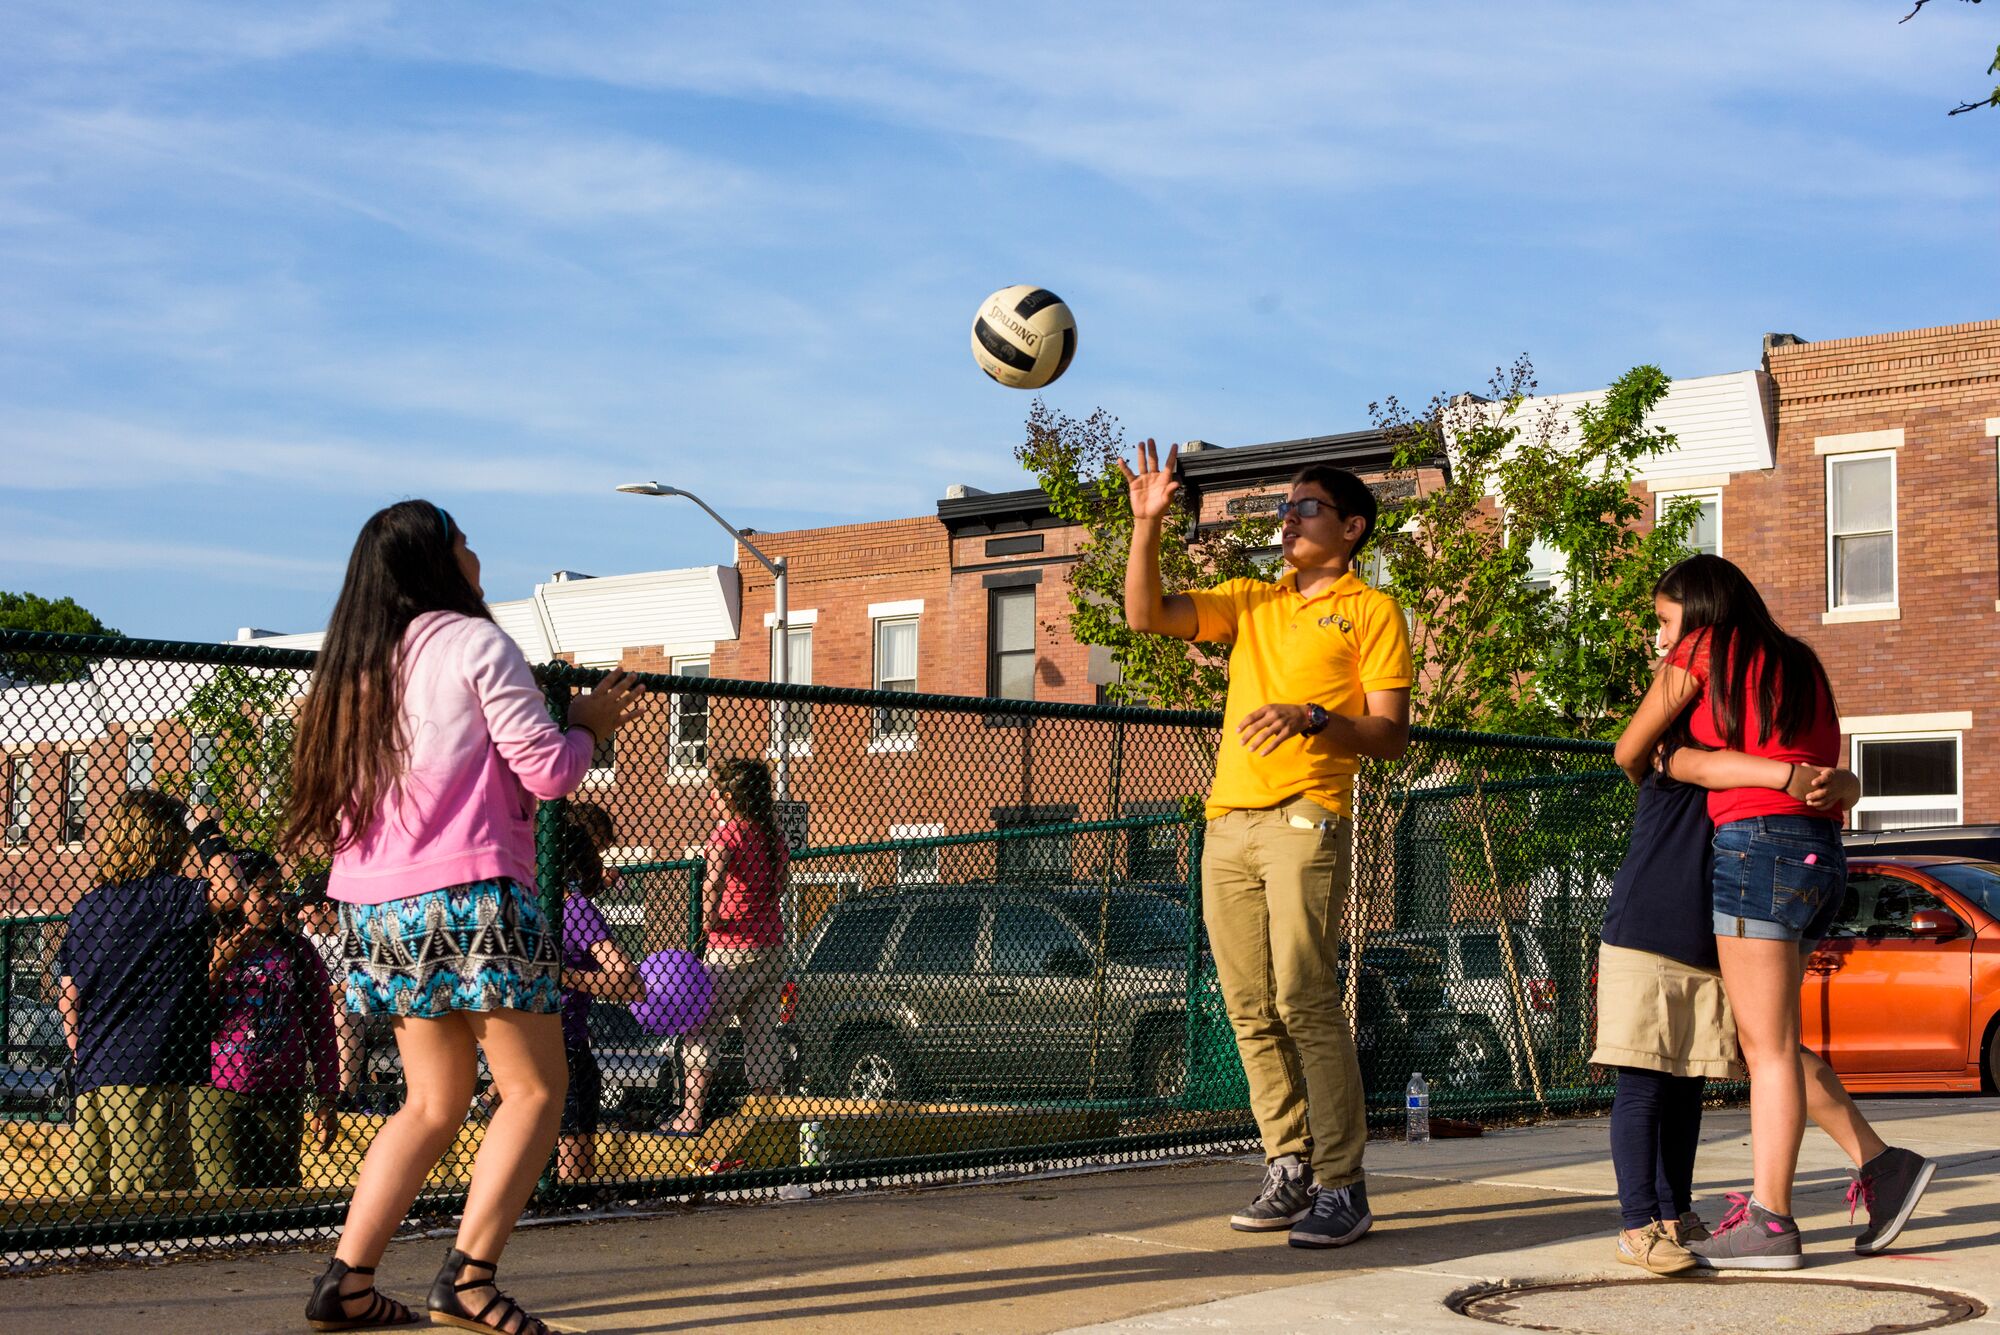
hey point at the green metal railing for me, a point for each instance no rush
(993, 951)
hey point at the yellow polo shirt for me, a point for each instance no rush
(1332, 648)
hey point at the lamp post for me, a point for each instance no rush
(783, 667)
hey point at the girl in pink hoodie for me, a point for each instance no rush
(421, 751)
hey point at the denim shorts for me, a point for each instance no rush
(1778, 878)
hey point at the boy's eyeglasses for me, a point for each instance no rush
(1305, 509)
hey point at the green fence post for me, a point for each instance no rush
(1195, 985)
(6, 988)
(551, 875)
(697, 874)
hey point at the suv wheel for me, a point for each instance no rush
(1473, 1057)
(874, 1066)
(1993, 1059)
(1160, 1069)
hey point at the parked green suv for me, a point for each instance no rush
(916, 991)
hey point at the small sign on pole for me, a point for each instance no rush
(792, 820)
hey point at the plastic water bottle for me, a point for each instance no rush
(1417, 1109)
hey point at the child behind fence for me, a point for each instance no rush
(274, 1045)
(133, 967)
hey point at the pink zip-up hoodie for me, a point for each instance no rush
(483, 749)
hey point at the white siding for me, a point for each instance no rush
(596, 619)
(522, 620)
(120, 692)
(1722, 425)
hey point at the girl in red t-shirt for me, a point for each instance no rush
(746, 939)
(1779, 878)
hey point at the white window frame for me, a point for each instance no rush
(1867, 611)
(75, 797)
(1663, 499)
(599, 776)
(911, 873)
(798, 728)
(20, 800)
(202, 749)
(1954, 801)
(878, 738)
(679, 766)
(1557, 576)
(138, 775)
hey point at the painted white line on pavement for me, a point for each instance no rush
(1500, 1182)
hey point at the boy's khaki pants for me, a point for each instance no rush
(1272, 894)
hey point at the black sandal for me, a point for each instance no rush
(448, 1310)
(327, 1308)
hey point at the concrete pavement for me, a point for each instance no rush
(1141, 1249)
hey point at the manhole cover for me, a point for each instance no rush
(1717, 1306)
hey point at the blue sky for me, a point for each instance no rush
(270, 267)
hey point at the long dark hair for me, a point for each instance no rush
(1717, 597)
(591, 833)
(746, 785)
(349, 749)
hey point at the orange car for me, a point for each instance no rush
(1904, 993)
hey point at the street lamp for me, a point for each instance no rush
(782, 625)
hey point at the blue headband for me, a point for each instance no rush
(443, 518)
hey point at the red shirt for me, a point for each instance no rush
(1818, 745)
(747, 916)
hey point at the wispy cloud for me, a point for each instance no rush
(315, 258)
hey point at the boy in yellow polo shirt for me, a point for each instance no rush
(1319, 675)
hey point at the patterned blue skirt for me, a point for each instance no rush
(479, 947)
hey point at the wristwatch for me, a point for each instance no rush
(1315, 720)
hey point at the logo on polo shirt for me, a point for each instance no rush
(1335, 619)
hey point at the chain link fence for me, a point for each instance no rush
(987, 952)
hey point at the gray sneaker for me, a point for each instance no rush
(1890, 1184)
(1750, 1238)
(1287, 1197)
(1339, 1216)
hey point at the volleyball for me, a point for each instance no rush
(1023, 336)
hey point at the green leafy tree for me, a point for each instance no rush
(1530, 583)
(244, 771)
(65, 616)
(1076, 463)
(1529, 490)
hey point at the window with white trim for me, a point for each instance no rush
(1705, 534)
(20, 798)
(603, 761)
(1861, 529)
(895, 670)
(1374, 571)
(915, 865)
(1545, 566)
(1909, 780)
(201, 767)
(139, 760)
(687, 722)
(790, 719)
(76, 796)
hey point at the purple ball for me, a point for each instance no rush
(678, 992)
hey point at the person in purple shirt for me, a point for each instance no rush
(274, 1044)
(594, 968)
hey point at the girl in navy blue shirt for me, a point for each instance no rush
(1663, 1020)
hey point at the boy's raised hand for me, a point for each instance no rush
(1152, 488)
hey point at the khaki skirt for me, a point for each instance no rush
(1662, 1015)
